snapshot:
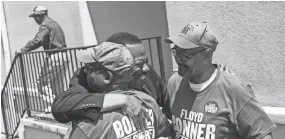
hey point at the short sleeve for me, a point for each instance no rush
(253, 122)
(172, 87)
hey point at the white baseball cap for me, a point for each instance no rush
(39, 10)
(195, 34)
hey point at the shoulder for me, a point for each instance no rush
(235, 88)
(50, 22)
(143, 96)
(174, 82)
(148, 101)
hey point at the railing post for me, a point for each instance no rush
(160, 58)
(25, 85)
(4, 115)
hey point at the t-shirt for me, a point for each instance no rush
(225, 109)
(115, 124)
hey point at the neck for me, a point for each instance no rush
(203, 75)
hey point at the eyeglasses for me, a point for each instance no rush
(184, 55)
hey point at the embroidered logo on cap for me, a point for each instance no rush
(211, 107)
(187, 28)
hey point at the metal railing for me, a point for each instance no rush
(22, 95)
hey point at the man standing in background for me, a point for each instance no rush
(51, 37)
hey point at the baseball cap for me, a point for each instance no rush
(113, 56)
(38, 10)
(195, 34)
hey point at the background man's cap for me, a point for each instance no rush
(195, 34)
(39, 10)
(113, 56)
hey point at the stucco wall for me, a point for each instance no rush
(21, 28)
(3, 70)
(251, 36)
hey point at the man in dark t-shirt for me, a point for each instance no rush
(205, 102)
(117, 65)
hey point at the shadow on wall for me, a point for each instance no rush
(251, 36)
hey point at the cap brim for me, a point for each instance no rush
(85, 56)
(181, 42)
(32, 15)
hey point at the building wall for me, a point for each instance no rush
(251, 40)
(3, 70)
(145, 19)
(21, 28)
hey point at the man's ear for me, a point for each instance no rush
(108, 77)
(208, 54)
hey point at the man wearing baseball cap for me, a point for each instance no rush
(50, 34)
(115, 66)
(210, 103)
(51, 37)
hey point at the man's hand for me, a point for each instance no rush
(17, 51)
(226, 69)
(136, 111)
(130, 105)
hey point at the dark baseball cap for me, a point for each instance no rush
(195, 34)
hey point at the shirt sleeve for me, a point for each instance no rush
(164, 129)
(38, 40)
(171, 90)
(76, 102)
(253, 122)
(166, 108)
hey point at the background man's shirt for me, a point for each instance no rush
(50, 36)
(225, 109)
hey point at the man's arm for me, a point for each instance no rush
(38, 40)
(166, 108)
(76, 102)
(250, 119)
